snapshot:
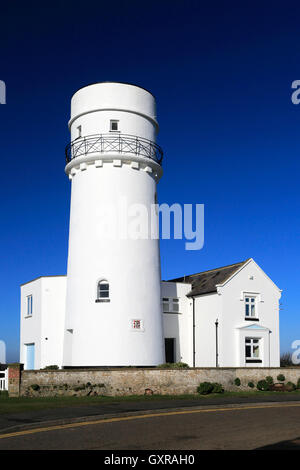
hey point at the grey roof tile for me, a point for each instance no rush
(206, 281)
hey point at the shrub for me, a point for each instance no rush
(173, 365)
(217, 388)
(286, 359)
(210, 387)
(35, 387)
(298, 383)
(237, 382)
(79, 387)
(290, 386)
(263, 385)
(205, 388)
(281, 378)
(251, 384)
(180, 365)
(269, 380)
(53, 367)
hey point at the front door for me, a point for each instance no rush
(30, 356)
(170, 350)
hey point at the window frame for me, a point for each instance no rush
(111, 123)
(171, 301)
(29, 305)
(251, 297)
(104, 298)
(252, 341)
(79, 131)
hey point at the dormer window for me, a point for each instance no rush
(114, 126)
(103, 291)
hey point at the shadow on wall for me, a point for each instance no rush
(172, 326)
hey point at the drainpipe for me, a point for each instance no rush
(217, 345)
(270, 348)
(194, 327)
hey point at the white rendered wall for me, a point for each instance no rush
(207, 308)
(101, 334)
(53, 320)
(93, 106)
(232, 319)
(180, 325)
(45, 327)
(30, 326)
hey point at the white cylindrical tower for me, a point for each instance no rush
(113, 311)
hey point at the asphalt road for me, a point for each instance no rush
(252, 426)
(14, 421)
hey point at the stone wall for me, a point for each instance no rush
(114, 382)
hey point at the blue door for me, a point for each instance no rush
(30, 356)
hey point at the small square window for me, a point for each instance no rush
(114, 125)
(176, 305)
(103, 290)
(166, 304)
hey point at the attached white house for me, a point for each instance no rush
(224, 317)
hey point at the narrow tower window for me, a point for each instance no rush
(79, 132)
(114, 125)
(29, 305)
(102, 291)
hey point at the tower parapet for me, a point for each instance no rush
(113, 122)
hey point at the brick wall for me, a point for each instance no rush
(14, 379)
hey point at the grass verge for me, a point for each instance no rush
(21, 404)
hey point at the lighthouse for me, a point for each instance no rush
(113, 300)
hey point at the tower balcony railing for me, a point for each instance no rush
(112, 143)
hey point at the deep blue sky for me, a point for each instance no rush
(221, 73)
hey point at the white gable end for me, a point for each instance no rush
(249, 285)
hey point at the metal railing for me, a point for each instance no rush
(112, 143)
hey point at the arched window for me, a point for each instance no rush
(103, 290)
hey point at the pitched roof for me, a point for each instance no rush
(206, 281)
